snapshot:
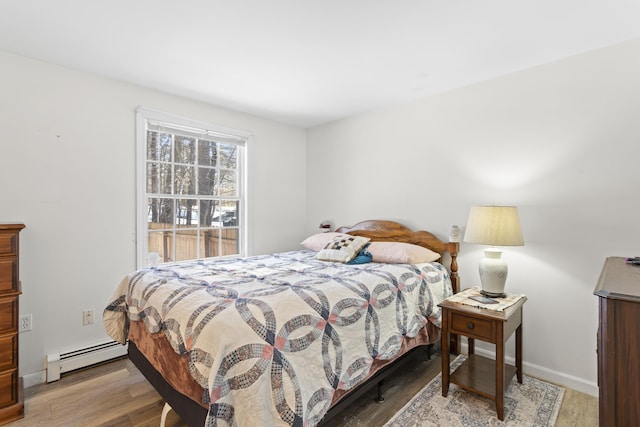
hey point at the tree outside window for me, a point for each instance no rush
(193, 192)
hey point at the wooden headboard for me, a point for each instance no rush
(391, 231)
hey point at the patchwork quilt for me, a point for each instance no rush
(271, 338)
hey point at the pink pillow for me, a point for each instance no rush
(318, 241)
(400, 253)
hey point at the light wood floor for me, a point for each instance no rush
(116, 394)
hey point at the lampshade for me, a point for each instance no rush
(494, 225)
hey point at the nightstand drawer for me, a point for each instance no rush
(472, 327)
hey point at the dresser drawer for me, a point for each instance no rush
(7, 274)
(8, 387)
(8, 243)
(8, 314)
(8, 352)
(472, 327)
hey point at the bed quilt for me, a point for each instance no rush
(271, 338)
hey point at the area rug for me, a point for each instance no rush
(532, 403)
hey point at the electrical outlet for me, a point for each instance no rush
(88, 316)
(26, 323)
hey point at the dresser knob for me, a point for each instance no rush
(470, 325)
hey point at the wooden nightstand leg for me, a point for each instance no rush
(471, 346)
(519, 353)
(500, 374)
(444, 345)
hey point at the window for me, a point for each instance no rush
(191, 189)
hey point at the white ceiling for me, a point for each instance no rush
(305, 62)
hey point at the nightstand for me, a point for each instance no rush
(480, 374)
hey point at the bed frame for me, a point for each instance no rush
(195, 414)
(390, 231)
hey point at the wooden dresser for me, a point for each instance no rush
(618, 290)
(11, 397)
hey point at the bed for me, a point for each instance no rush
(287, 338)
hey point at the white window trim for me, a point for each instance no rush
(144, 115)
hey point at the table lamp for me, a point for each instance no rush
(495, 226)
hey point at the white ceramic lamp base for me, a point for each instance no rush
(493, 273)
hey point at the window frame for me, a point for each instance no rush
(242, 139)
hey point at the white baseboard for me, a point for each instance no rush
(35, 378)
(546, 374)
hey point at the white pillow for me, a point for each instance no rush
(401, 253)
(320, 240)
(342, 248)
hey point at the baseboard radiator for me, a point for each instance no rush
(59, 363)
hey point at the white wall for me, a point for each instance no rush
(559, 141)
(67, 170)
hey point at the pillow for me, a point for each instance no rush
(342, 248)
(320, 240)
(401, 253)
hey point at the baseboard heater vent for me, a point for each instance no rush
(59, 363)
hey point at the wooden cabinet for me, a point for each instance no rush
(11, 397)
(618, 290)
